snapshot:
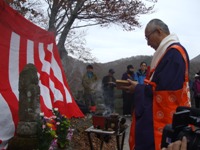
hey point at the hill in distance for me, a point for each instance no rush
(74, 69)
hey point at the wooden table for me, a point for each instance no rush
(91, 130)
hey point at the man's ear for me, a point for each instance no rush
(159, 30)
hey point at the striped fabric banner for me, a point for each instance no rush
(22, 42)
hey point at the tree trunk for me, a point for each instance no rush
(61, 42)
(52, 19)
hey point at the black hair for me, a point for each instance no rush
(143, 62)
(89, 67)
(129, 66)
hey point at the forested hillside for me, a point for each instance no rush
(75, 69)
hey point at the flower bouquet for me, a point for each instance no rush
(54, 130)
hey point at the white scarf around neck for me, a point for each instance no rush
(165, 43)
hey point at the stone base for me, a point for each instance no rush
(21, 143)
(27, 129)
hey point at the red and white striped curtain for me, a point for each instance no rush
(22, 42)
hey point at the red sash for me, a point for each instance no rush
(164, 105)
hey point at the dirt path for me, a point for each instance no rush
(80, 138)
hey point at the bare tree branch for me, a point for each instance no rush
(64, 13)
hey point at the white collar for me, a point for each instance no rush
(160, 51)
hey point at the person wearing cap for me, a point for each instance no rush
(128, 101)
(108, 85)
(89, 83)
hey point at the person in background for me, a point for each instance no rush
(89, 83)
(196, 89)
(128, 102)
(141, 73)
(166, 88)
(108, 85)
(177, 145)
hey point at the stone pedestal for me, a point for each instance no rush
(23, 143)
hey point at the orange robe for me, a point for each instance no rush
(164, 104)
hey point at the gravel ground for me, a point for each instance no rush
(126, 144)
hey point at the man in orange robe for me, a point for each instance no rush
(166, 88)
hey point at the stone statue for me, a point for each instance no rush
(29, 94)
(29, 110)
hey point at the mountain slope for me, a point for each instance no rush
(74, 69)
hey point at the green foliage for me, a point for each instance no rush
(62, 129)
(54, 130)
(44, 135)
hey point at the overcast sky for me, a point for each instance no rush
(181, 16)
